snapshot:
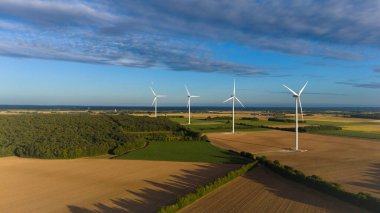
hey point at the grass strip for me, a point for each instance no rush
(203, 190)
(185, 151)
(363, 200)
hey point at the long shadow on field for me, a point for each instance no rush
(372, 182)
(151, 198)
(290, 190)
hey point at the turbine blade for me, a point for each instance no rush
(153, 91)
(239, 102)
(188, 93)
(228, 99)
(234, 87)
(299, 100)
(294, 93)
(194, 96)
(154, 100)
(303, 88)
(161, 96)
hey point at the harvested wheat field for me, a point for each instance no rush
(101, 185)
(261, 190)
(354, 163)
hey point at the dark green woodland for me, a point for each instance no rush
(79, 135)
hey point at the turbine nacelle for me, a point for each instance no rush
(297, 96)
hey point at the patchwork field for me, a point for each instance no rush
(98, 185)
(331, 118)
(263, 190)
(352, 162)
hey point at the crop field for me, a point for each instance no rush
(351, 127)
(375, 128)
(223, 124)
(98, 185)
(351, 162)
(184, 151)
(330, 118)
(263, 190)
(217, 125)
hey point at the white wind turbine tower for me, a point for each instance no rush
(233, 98)
(155, 100)
(297, 98)
(189, 97)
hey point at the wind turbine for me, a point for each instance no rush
(155, 100)
(297, 98)
(233, 98)
(189, 100)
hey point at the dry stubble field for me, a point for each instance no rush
(264, 191)
(354, 163)
(101, 185)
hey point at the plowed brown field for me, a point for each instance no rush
(98, 185)
(354, 163)
(261, 190)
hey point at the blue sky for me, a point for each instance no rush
(111, 52)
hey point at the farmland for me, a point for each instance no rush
(337, 159)
(102, 185)
(268, 192)
(350, 127)
(155, 160)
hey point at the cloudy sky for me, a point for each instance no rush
(111, 52)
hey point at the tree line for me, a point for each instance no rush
(365, 115)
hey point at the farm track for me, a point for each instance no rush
(264, 191)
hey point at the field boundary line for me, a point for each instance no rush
(205, 189)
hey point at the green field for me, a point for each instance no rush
(184, 151)
(347, 133)
(224, 124)
(351, 128)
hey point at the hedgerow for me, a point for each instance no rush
(311, 129)
(203, 190)
(360, 199)
(283, 119)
